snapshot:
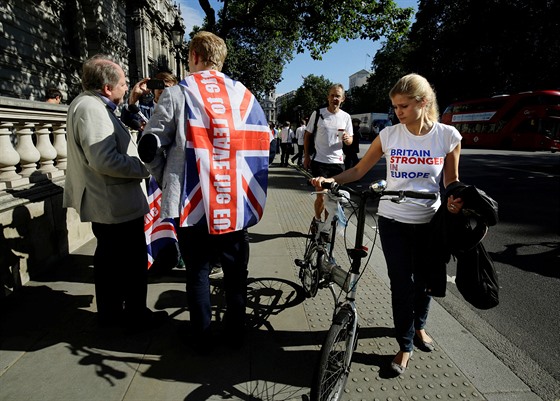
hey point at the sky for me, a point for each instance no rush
(344, 58)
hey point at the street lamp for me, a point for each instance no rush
(177, 36)
(298, 113)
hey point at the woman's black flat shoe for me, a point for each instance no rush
(399, 369)
(422, 345)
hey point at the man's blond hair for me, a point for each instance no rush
(211, 49)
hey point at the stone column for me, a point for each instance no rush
(46, 150)
(28, 153)
(59, 132)
(9, 158)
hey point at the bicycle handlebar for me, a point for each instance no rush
(411, 194)
(378, 187)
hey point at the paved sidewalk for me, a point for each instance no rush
(50, 348)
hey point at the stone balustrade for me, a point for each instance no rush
(36, 232)
(32, 142)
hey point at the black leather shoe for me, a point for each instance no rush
(422, 345)
(235, 340)
(199, 343)
(147, 320)
(109, 321)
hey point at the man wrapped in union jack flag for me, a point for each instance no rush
(207, 146)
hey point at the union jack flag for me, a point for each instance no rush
(159, 232)
(226, 154)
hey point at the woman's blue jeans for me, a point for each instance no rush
(407, 253)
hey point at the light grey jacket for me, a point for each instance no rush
(104, 177)
(168, 123)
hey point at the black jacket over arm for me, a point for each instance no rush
(454, 234)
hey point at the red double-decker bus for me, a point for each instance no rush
(524, 121)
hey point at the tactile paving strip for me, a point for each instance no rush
(430, 376)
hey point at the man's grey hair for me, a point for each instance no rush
(98, 71)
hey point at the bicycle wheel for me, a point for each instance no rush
(268, 296)
(309, 270)
(272, 294)
(336, 357)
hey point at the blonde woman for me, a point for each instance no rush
(420, 152)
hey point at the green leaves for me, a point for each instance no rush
(263, 35)
(468, 50)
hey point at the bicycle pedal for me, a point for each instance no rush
(299, 262)
(324, 282)
(314, 226)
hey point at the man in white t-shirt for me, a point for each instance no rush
(334, 128)
(300, 134)
(286, 136)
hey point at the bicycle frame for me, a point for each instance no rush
(341, 339)
(324, 228)
(318, 259)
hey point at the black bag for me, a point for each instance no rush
(477, 280)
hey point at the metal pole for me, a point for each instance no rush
(178, 59)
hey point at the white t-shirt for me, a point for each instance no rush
(286, 135)
(328, 145)
(415, 163)
(300, 132)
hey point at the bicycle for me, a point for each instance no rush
(318, 269)
(319, 246)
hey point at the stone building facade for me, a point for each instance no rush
(358, 79)
(149, 27)
(43, 43)
(269, 107)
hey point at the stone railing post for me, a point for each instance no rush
(28, 153)
(27, 149)
(9, 158)
(59, 132)
(46, 150)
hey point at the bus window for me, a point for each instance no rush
(478, 127)
(527, 126)
(550, 128)
(551, 100)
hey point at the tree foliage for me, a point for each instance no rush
(388, 67)
(309, 96)
(264, 35)
(503, 47)
(467, 49)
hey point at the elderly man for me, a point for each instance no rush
(104, 185)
